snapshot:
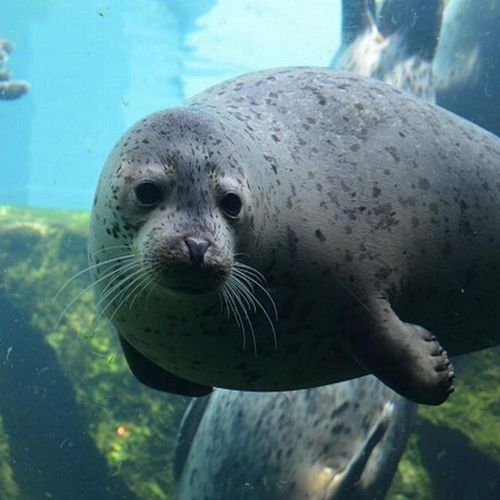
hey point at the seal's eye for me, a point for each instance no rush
(148, 193)
(231, 204)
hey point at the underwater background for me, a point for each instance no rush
(74, 422)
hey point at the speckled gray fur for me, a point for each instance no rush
(337, 442)
(357, 201)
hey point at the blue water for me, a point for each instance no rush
(97, 66)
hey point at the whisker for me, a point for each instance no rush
(126, 293)
(151, 282)
(243, 301)
(132, 288)
(87, 288)
(106, 249)
(234, 308)
(223, 303)
(248, 289)
(88, 269)
(145, 283)
(116, 274)
(227, 291)
(150, 272)
(123, 287)
(112, 287)
(240, 273)
(242, 287)
(242, 254)
(245, 267)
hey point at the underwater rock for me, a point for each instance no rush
(9, 89)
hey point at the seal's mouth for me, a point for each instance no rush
(186, 290)
(187, 265)
(188, 280)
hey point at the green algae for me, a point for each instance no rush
(412, 480)
(8, 486)
(39, 252)
(474, 408)
(454, 451)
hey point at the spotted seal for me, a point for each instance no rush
(338, 441)
(467, 66)
(370, 214)
(394, 41)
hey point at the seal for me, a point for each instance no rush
(370, 214)
(338, 441)
(394, 41)
(467, 62)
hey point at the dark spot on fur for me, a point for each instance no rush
(338, 411)
(321, 237)
(393, 152)
(336, 429)
(424, 183)
(292, 242)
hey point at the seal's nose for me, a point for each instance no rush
(197, 249)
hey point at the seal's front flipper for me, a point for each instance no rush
(156, 377)
(405, 357)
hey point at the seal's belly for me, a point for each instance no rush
(300, 349)
(198, 341)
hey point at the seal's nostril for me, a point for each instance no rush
(197, 249)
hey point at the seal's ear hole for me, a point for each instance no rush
(231, 204)
(148, 193)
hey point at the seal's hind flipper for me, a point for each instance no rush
(350, 482)
(156, 377)
(405, 357)
(187, 432)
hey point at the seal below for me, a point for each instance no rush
(341, 441)
(371, 214)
